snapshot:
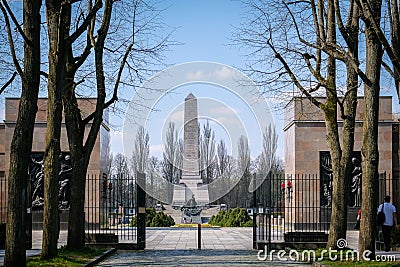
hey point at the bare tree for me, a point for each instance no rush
(389, 40)
(224, 170)
(153, 169)
(244, 162)
(308, 51)
(140, 156)
(172, 155)
(267, 157)
(222, 158)
(121, 174)
(57, 27)
(21, 143)
(376, 39)
(135, 51)
(207, 154)
(369, 151)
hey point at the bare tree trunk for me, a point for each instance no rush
(56, 29)
(21, 143)
(339, 204)
(370, 154)
(76, 223)
(79, 158)
(81, 153)
(341, 162)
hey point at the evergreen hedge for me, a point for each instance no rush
(155, 219)
(238, 217)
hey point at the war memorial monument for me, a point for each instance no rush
(191, 195)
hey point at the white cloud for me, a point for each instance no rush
(196, 76)
(176, 117)
(224, 73)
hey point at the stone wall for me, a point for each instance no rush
(305, 138)
(97, 162)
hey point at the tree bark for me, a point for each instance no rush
(370, 154)
(21, 143)
(343, 164)
(56, 29)
(81, 149)
(339, 204)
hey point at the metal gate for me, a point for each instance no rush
(110, 209)
(286, 204)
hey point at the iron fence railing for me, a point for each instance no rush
(110, 206)
(301, 203)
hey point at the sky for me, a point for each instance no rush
(204, 29)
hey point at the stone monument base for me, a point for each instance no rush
(190, 219)
(187, 187)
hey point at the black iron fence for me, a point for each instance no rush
(291, 203)
(110, 206)
(302, 203)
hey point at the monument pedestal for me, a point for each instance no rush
(187, 187)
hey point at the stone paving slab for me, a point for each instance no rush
(204, 258)
(212, 238)
(178, 247)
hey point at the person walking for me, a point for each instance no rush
(390, 219)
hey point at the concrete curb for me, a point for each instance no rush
(101, 257)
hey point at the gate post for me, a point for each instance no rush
(28, 226)
(141, 210)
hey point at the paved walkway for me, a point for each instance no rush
(212, 238)
(203, 258)
(178, 247)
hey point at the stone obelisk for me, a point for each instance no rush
(190, 139)
(191, 184)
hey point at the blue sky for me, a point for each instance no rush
(204, 29)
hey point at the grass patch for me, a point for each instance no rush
(338, 262)
(67, 257)
(361, 263)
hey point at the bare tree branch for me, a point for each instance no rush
(293, 77)
(14, 19)
(44, 74)
(11, 42)
(86, 22)
(368, 16)
(8, 82)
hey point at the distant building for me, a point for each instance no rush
(307, 152)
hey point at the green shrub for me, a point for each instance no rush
(133, 222)
(155, 219)
(237, 217)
